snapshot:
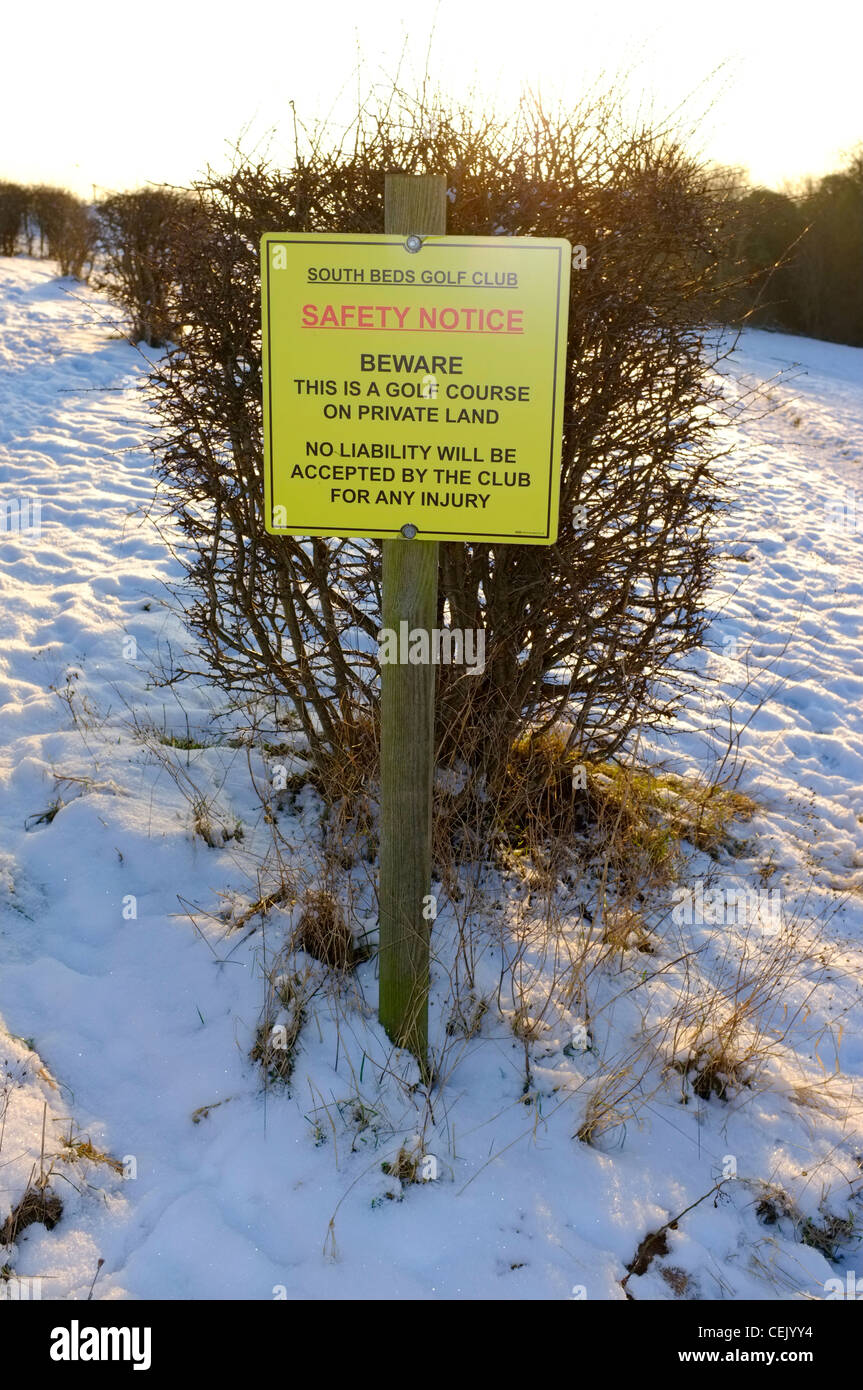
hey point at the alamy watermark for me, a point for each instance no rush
(851, 1287)
(845, 513)
(16, 1288)
(21, 516)
(77, 1343)
(716, 906)
(442, 646)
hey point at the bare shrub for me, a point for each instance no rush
(67, 228)
(138, 234)
(583, 629)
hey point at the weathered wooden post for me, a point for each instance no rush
(413, 206)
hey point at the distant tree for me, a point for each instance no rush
(68, 229)
(771, 226)
(800, 254)
(137, 238)
(13, 209)
(830, 264)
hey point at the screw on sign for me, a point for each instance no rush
(413, 393)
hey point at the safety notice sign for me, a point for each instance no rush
(414, 386)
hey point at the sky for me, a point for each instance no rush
(115, 95)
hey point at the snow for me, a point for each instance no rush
(129, 1004)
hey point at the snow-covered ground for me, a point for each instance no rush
(130, 997)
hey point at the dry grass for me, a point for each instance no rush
(210, 825)
(405, 1166)
(261, 907)
(409, 1164)
(609, 1106)
(727, 1025)
(323, 932)
(828, 1234)
(558, 874)
(556, 804)
(74, 1150)
(698, 811)
(623, 929)
(677, 1279)
(277, 1036)
(39, 1205)
(350, 767)
(466, 1014)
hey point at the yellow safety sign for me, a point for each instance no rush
(413, 385)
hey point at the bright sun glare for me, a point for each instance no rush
(154, 92)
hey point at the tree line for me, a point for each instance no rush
(792, 259)
(799, 256)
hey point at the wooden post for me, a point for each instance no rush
(410, 574)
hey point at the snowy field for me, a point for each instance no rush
(131, 988)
